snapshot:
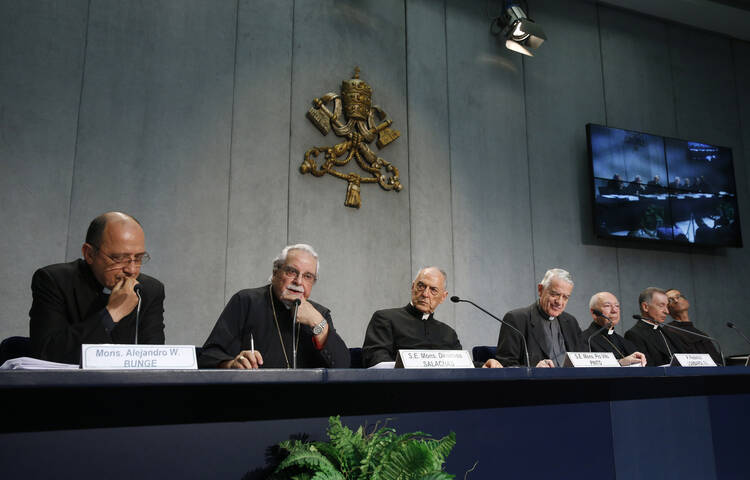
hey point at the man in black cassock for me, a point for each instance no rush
(255, 328)
(93, 300)
(607, 309)
(413, 326)
(659, 345)
(678, 306)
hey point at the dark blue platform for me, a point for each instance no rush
(623, 423)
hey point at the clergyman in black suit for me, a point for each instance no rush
(607, 309)
(549, 331)
(92, 300)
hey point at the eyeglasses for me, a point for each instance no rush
(126, 259)
(674, 298)
(432, 291)
(291, 272)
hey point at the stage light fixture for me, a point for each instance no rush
(521, 34)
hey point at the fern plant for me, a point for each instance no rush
(356, 455)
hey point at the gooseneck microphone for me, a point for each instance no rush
(734, 327)
(294, 327)
(456, 299)
(137, 290)
(599, 313)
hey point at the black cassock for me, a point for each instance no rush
(251, 311)
(403, 328)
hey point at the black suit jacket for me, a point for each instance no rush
(69, 309)
(529, 321)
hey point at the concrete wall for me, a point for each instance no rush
(190, 115)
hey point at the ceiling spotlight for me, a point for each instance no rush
(521, 34)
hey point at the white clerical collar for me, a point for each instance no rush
(425, 316)
(106, 291)
(611, 331)
(652, 325)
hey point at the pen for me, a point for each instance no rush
(252, 345)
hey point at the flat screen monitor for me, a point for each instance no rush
(659, 189)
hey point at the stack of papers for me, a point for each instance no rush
(28, 363)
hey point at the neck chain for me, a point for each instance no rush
(613, 345)
(278, 329)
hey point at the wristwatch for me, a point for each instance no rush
(318, 329)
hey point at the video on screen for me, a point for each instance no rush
(656, 188)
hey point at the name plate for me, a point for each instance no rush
(434, 359)
(138, 357)
(590, 359)
(692, 360)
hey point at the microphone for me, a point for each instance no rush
(734, 327)
(456, 299)
(297, 303)
(137, 290)
(599, 313)
(699, 335)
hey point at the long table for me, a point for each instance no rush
(663, 422)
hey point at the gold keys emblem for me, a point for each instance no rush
(358, 128)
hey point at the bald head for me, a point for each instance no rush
(97, 225)
(606, 303)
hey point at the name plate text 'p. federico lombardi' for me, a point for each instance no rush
(590, 359)
(433, 359)
(692, 360)
(138, 357)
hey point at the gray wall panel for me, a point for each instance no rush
(364, 253)
(41, 61)
(154, 141)
(566, 69)
(192, 118)
(641, 99)
(707, 110)
(260, 143)
(429, 143)
(489, 174)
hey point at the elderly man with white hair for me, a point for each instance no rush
(549, 331)
(605, 312)
(413, 326)
(255, 328)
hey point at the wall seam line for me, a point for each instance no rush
(291, 106)
(78, 128)
(231, 142)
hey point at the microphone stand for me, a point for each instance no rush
(663, 337)
(606, 326)
(456, 299)
(137, 290)
(734, 327)
(294, 328)
(724, 363)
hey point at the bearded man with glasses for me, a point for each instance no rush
(93, 300)
(255, 328)
(413, 326)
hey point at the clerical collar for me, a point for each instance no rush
(417, 313)
(544, 314)
(106, 291)
(611, 331)
(652, 325)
